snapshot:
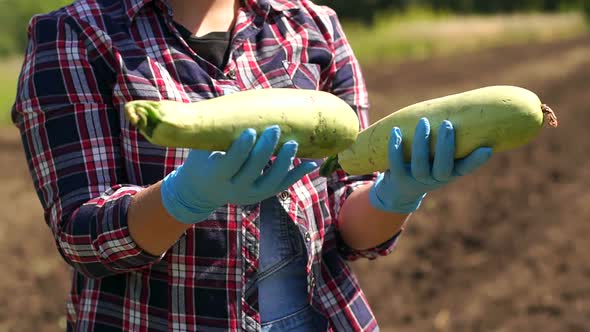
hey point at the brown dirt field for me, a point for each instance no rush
(505, 249)
(502, 250)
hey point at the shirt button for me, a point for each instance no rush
(307, 237)
(312, 282)
(284, 196)
(231, 74)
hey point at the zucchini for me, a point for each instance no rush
(501, 117)
(322, 123)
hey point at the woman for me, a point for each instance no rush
(175, 239)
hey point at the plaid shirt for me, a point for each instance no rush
(82, 63)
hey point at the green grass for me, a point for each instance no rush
(421, 33)
(10, 69)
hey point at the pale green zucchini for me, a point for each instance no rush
(500, 117)
(322, 123)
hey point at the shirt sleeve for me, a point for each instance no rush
(70, 135)
(348, 83)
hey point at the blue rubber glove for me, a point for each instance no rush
(402, 188)
(207, 180)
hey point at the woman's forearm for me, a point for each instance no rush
(362, 226)
(150, 225)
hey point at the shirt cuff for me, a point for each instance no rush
(97, 241)
(382, 249)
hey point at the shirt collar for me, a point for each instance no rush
(271, 5)
(261, 7)
(132, 7)
(284, 5)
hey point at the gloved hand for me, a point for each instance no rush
(402, 188)
(208, 180)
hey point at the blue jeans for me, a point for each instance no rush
(304, 320)
(282, 279)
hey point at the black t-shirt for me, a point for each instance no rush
(213, 47)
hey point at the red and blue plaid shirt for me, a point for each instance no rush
(83, 63)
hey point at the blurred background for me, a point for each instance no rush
(503, 250)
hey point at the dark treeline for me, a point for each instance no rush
(365, 10)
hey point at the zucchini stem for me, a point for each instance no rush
(329, 166)
(551, 115)
(144, 115)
